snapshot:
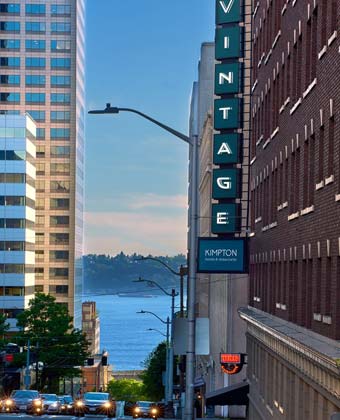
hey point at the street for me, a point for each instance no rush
(4, 416)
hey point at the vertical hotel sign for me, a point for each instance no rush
(228, 143)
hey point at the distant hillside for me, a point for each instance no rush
(104, 273)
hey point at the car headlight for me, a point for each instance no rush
(79, 403)
(37, 402)
(9, 402)
(107, 404)
(154, 410)
(137, 410)
(69, 406)
(54, 404)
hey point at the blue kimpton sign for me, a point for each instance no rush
(222, 255)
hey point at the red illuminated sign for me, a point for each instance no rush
(230, 358)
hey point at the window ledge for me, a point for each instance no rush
(252, 161)
(256, 9)
(285, 204)
(293, 4)
(293, 216)
(284, 8)
(279, 208)
(319, 185)
(268, 56)
(258, 220)
(265, 144)
(310, 88)
(251, 234)
(259, 140)
(282, 109)
(307, 210)
(332, 38)
(286, 101)
(327, 319)
(254, 85)
(276, 39)
(322, 52)
(272, 225)
(329, 180)
(317, 317)
(283, 307)
(337, 197)
(265, 228)
(277, 129)
(295, 106)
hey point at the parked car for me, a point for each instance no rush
(66, 404)
(146, 409)
(51, 403)
(24, 401)
(95, 403)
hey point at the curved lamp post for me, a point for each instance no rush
(183, 271)
(192, 141)
(167, 356)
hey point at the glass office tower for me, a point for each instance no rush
(42, 73)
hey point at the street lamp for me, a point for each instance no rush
(173, 294)
(183, 271)
(167, 356)
(190, 351)
(155, 329)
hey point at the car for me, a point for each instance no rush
(95, 403)
(51, 403)
(66, 404)
(146, 409)
(24, 401)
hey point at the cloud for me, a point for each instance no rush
(158, 201)
(136, 231)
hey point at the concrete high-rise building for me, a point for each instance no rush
(42, 73)
(17, 214)
(91, 326)
(293, 315)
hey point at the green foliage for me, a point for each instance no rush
(126, 390)
(155, 365)
(4, 327)
(116, 274)
(53, 340)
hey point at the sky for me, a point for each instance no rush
(143, 55)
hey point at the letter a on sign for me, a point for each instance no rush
(228, 11)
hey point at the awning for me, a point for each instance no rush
(236, 394)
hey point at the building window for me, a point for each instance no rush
(40, 152)
(60, 9)
(60, 169)
(12, 97)
(60, 81)
(59, 238)
(40, 202)
(60, 151)
(61, 27)
(40, 185)
(60, 116)
(39, 289)
(60, 186)
(59, 255)
(13, 27)
(59, 221)
(37, 115)
(10, 44)
(60, 203)
(35, 80)
(40, 134)
(39, 221)
(60, 45)
(60, 98)
(35, 9)
(58, 272)
(60, 133)
(39, 238)
(60, 63)
(10, 62)
(10, 8)
(37, 62)
(37, 27)
(10, 79)
(35, 98)
(35, 44)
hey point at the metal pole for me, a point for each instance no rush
(181, 292)
(27, 373)
(190, 359)
(171, 350)
(167, 361)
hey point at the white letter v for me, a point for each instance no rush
(225, 8)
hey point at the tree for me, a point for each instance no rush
(155, 365)
(4, 327)
(54, 341)
(126, 390)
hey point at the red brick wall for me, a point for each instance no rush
(295, 166)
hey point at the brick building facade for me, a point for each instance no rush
(294, 309)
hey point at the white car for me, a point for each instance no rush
(51, 403)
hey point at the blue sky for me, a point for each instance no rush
(143, 55)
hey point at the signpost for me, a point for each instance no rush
(227, 253)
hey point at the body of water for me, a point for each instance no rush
(123, 332)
